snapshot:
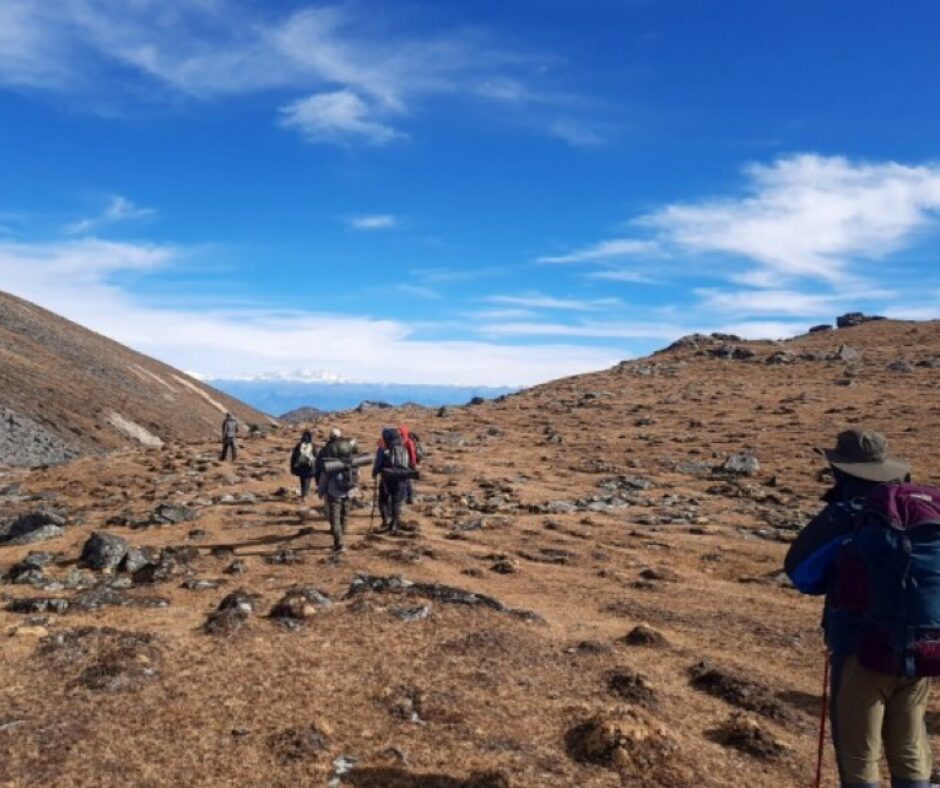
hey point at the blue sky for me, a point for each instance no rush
(467, 192)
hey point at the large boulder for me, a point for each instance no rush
(33, 527)
(104, 551)
(852, 319)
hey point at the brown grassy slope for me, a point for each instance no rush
(494, 693)
(69, 381)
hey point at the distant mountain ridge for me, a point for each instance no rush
(66, 391)
(283, 396)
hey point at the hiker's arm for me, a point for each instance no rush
(813, 552)
(378, 463)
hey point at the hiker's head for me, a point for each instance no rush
(307, 436)
(335, 434)
(863, 455)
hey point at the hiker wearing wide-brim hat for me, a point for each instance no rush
(864, 455)
(873, 551)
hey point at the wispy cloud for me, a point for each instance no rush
(119, 209)
(540, 301)
(356, 76)
(419, 291)
(336, 117)
(586, 330)
(373, 221)
(604, 250)
(624, 275)
(84, 281)
(808, 216)
(575, 133)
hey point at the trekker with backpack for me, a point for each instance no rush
(394, 471)
(874, 551)
(229, 433)
(415, 455)
(337, 474)
(302, 461)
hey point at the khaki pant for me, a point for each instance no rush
(869, 708)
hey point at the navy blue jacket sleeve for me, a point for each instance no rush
(811, 557)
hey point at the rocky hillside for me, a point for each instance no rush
(588, 592)
(66, 391)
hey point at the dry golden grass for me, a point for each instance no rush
(495, 697)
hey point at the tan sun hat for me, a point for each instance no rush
(864, 455)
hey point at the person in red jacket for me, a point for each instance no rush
(414, 457)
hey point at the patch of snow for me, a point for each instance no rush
(133, 430)
(204, 394)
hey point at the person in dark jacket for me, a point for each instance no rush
(229, 434)
(867, 707)
(302, 462)
(393, 471)
(336, 487)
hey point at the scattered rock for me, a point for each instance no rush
(102, 659)
(845, 353)
(172, 513)
(739, 691)
(298, 744)
(411, 614)
(628, 743)
(436, 592)
(104, 551)
(852, 319)
(741, 464)
(643, 635)
(299, 604)
(232, 613)
(632, 687)
(747, 735)
(33, 527)
(902, 366)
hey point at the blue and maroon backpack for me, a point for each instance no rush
(884, 605)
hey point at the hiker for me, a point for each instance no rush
(415, 455)
(394, 470)
(336, 484)
(874, 552)
(229, 433)
(302, 461)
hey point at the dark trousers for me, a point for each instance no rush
(228, 444)
(305, 485)
(391, 495)
(338, 510)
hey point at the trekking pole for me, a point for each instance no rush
(822, 721)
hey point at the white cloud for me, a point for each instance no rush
(809, 217)
(334, 117)
(540, 301)
(78, 280)
(358, 72)
(373, 221)
(604, 250)
(575, 134)
(592, 330)
(790, 302)
(419, 291)
(119, 209)
(624, 275)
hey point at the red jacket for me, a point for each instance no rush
(410, 446)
